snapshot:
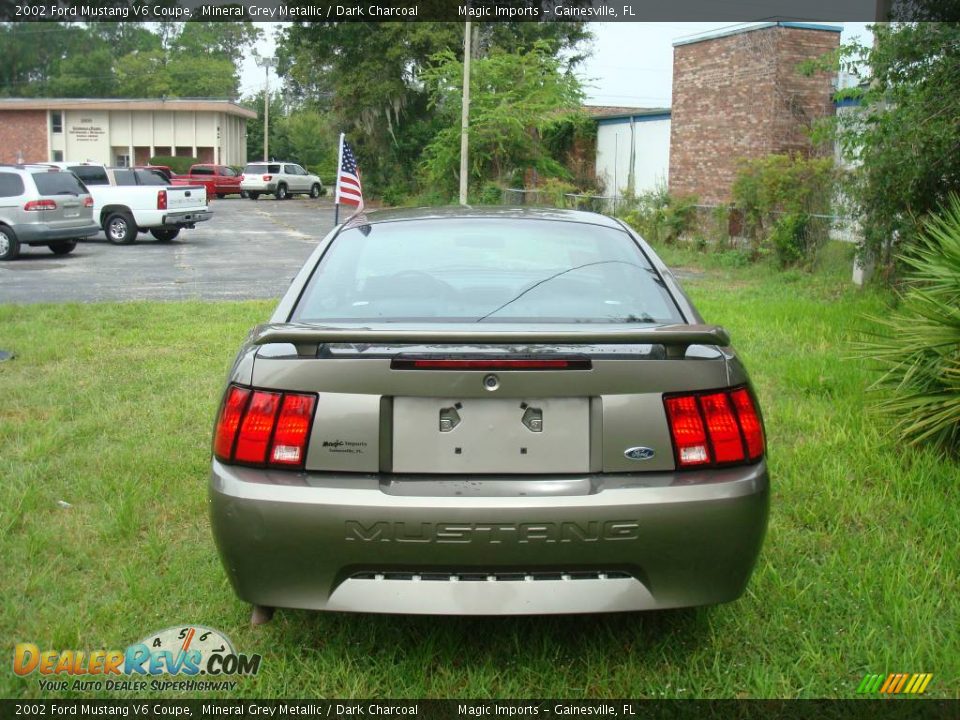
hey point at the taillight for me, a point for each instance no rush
(714, 428)
(749, 423)
(256, 427)
(162, 200)
(37, 205)
(88, 201)
(267, 178)
(228, 422)
(293, 424)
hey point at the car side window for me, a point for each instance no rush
(11, 185)
(228, 172)
(90, 174)
(202, 171)
(150, 177)
(124, 177)
(299, 170)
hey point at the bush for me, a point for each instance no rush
(918, 348)
(179, 165)
(777, 196)
(490, 194)
(790, 238)
(661, 217)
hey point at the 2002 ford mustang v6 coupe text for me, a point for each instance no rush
(487, 412)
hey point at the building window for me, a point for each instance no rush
(56, 122)
(58, 155)
(123, 161)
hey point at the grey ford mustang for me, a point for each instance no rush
(500, 411)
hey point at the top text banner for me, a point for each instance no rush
(733, 11)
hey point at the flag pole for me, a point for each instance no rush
(336, 184)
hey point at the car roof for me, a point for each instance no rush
(488, 212)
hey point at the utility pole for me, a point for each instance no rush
(266, 63)
(465, 116)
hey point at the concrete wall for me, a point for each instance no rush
(647, 138)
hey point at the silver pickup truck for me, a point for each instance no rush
(129, 201)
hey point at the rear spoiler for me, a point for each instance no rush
(676, 337)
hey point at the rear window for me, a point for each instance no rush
(11, 185)
(58, 183)
(197, 170)
(486, 270)
(263, 168)
(90, 174)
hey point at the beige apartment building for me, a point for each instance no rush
(120, 131)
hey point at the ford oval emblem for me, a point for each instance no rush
(639, 453)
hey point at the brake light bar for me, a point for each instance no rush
(264, 428)
(714, 428)
(490, 364)
(37, 205)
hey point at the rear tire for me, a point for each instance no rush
(253, 195)
(282, 193)
(63, 248)
(120, 228)
(244, 194)
(221, 195)
(316, 191)
(9, 245)
(165, 234)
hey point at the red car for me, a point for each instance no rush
(220, 180)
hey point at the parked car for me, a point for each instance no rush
(487, 411)
(283, 179)
(39, 207)
(219, 180)
(128, 201)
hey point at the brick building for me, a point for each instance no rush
(739, 93)
(122, 132)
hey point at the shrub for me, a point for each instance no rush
(490, 194)
(661, 217)
(918, 347)
(790, 238)
(179, 165)
(777, 195)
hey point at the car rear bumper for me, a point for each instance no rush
(261, 188)
(478, 546)
(186, 218)
(40, 233)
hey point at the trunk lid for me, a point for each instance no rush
(477, 401)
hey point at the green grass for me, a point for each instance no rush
(109, 408)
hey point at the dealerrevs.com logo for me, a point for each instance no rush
(183, 650)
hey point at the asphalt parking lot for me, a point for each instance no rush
(249, 249)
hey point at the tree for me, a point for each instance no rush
(367, 78)
(513, 97)
(905, 140)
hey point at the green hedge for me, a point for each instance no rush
(179, 165)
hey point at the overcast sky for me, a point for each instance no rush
(631, 64)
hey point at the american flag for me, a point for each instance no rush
(349, 191)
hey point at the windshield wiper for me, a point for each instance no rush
(554, 277)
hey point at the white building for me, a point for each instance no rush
(633, 150)
(122, 132)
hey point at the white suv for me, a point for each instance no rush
(283, 179)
